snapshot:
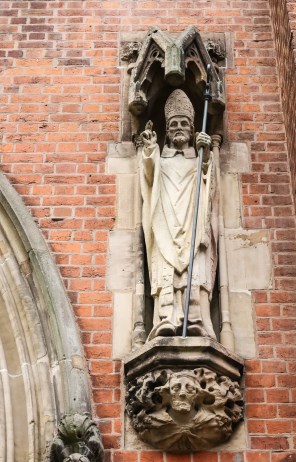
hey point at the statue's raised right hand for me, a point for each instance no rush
(148, 136)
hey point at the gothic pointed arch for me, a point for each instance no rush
(43, 376)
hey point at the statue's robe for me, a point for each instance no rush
(168, 186)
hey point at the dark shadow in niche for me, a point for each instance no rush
(158, 91)
(148, 299)
(215, 308)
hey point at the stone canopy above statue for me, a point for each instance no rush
(176, 62)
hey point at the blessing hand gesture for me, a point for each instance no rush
(148, 136)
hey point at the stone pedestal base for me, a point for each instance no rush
(183, 394)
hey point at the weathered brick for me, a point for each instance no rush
(61, 106)
(258, 457)
(153, 456)
(265, 411)
(278, 443)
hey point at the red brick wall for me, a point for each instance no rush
(283, 14)
(60, 108)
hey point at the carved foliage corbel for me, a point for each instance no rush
(184, 410)
(78, 439)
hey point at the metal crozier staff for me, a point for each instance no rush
(207, 97)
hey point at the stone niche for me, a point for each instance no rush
(182, 390)
(209, 367)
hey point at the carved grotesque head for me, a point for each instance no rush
(179, 114)
(183, 392)
(180, 393)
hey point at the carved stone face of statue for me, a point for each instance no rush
(183, 393)
(179, 132)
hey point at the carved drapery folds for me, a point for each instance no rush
(182, 392)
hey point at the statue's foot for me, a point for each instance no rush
(194, 330)
(163, 329)
(166, 330)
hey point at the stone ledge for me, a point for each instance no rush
(190, 352)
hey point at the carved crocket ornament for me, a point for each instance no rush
(78, 439)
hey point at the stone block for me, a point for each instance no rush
(132, 36)
(231, 200)
(117, 165)
(248, 259)
(131, 439)
(21, 411)
(121, 262)
(126, 185)
(235, 157)
(122, 149)
(237, 442)
(122, 324)
(241, 314)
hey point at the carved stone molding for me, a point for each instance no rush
(190, 352)
(183, 394)
(184, 410)
(78, 439)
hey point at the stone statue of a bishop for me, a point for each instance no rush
(168, 186)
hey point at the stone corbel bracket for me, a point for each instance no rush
(183, 394)
(174, 56)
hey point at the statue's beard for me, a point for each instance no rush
(179, 139)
